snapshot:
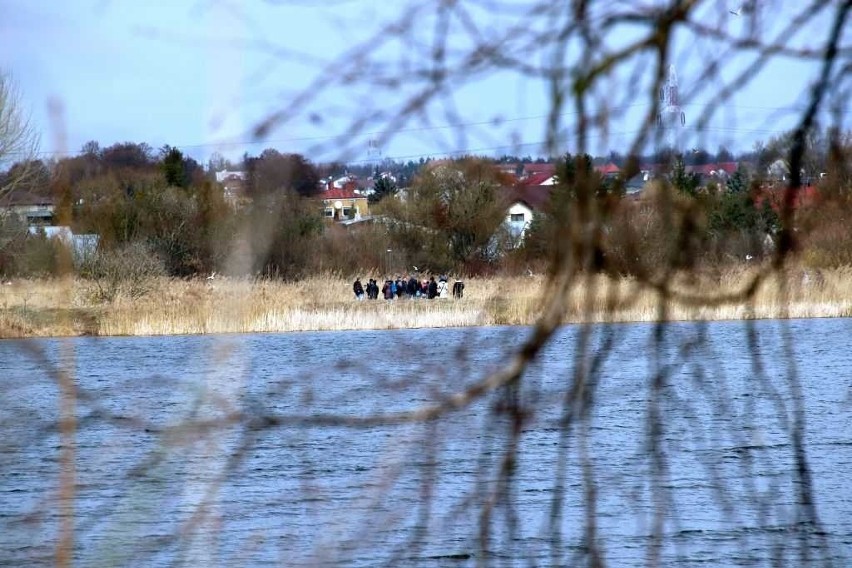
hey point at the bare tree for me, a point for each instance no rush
(18, 140)
(596, 60)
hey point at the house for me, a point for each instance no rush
(608, 170)
(234, 189)
(341, 204)
(233, 184)
(778, 170)
(32, 208)
(531, 170)
(540, 179)
(636, 184)
(230, 174)
(525, 199)
(514, 169)
(719, 172)
(518, 219)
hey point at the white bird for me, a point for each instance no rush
(749, 257)
(736, 12)
(212, 276)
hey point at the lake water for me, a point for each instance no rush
(233, 450)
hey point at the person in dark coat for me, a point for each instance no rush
(387, 290)
(458, 289)
(358, 289)
(433, 288)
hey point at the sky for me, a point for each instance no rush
(202, 74)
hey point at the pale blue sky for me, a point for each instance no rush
(200, 74)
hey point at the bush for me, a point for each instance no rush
(130, 270)
(359, 249)
(43, 257)
(826, 241)
(27, 255)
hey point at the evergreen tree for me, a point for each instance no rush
(738, 184)
(685, 183)
(172, 166)
(383, 187)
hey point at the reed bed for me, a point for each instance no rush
(44, 308)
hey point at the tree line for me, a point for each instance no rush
(163, 210)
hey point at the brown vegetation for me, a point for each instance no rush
(163, 306)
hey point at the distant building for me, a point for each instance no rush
(525, 199)
(31, 208)
(778, 170)
(341, 204)
(233, 184)
(531, 170)
(231, 174)
(608, 170)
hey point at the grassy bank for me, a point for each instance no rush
(43, 308)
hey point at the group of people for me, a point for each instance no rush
(409, 287)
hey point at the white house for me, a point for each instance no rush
(518, 219)
(231, 174)
(527, 197)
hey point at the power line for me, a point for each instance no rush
(495, 122)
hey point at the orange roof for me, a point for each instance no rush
(341, 193)
(609, 168)
(537, 179)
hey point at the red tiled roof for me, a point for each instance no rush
(704, 169)
(729, 167)
(341, 193)
(536, 196)
(537, 179)
(532, 169)
(609, 168)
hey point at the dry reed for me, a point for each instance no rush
(43, 308)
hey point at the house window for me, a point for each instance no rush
(329, 212)
(346, 212)
(517, 218)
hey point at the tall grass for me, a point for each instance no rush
(40, 308)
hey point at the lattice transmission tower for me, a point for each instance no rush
(671, 119)
(374, 153)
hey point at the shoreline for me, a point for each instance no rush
(847, 313)
(73, 308)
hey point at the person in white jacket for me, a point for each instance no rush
(443, 288)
